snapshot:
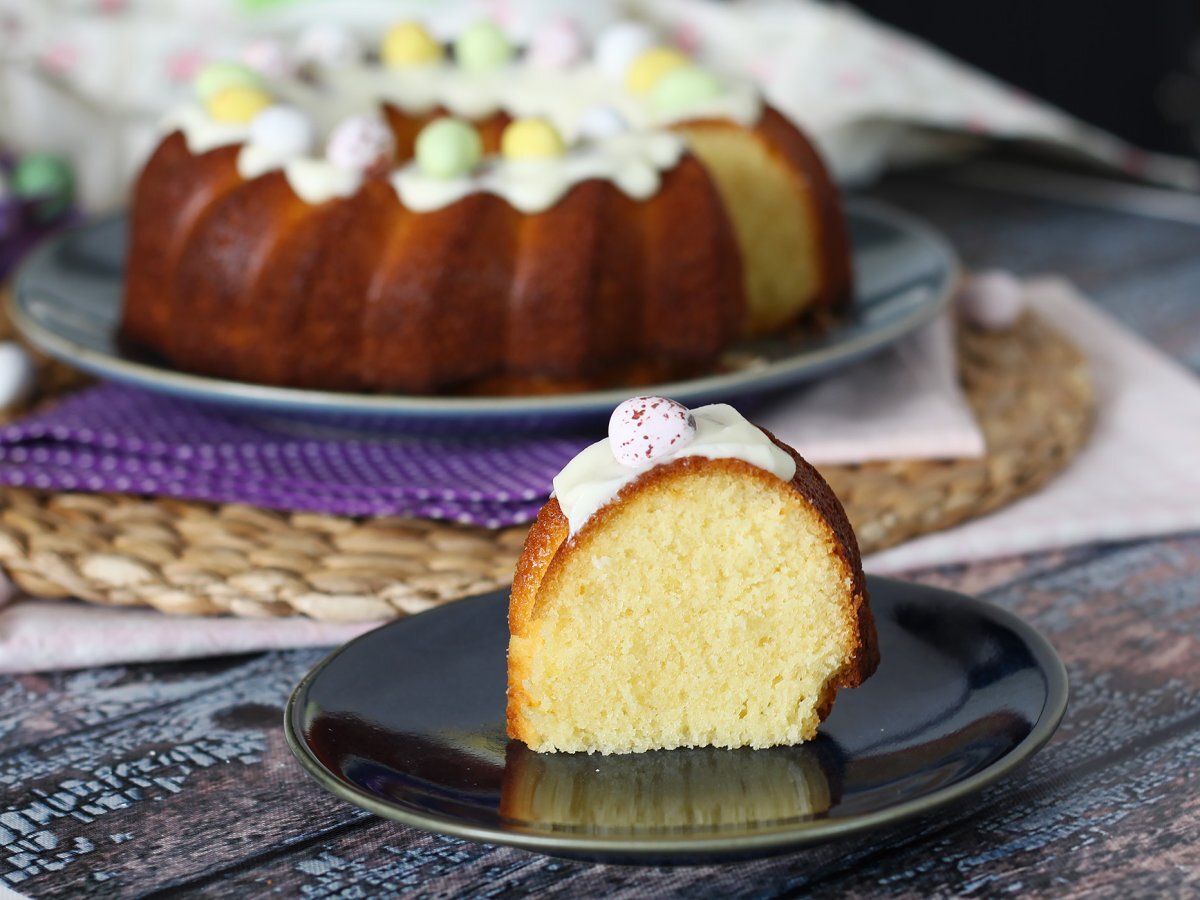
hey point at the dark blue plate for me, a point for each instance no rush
(67, 303)
(408, 722)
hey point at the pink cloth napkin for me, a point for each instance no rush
(44, 635)
(905, 403)
(1135, 478)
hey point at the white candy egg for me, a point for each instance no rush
(601, 122)
(18, 375)
(328, 46)
(619, 45)
(284, 131)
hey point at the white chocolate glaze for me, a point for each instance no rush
(318, 180)
(633, 162)
(201, 131)
(594, 478)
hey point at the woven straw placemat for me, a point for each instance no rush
(1030, 389)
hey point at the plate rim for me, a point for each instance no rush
(653, 848)
(426, 407)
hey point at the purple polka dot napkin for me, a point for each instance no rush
(120, 439)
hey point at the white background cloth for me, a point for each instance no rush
(91, 79)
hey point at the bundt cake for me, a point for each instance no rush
(692, 582)
(478, 225)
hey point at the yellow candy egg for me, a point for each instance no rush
(531, 139)
(651, 65)
(238, 105)
(409, 44)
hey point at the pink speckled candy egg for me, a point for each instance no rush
(993, 300)
(269, 57)
(643, 429)
(557, 44)
(362, 143)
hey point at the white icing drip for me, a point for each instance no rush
(317, 180)
(201, 131)
(594, 478)
(633, 162)
(254, 160)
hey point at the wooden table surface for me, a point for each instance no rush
(156, 780)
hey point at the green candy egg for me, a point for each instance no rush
(685, 88)
(448, 148)
(216, 77)
(481, 47)
(46, 179)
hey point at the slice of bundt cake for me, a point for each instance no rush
(693, 582)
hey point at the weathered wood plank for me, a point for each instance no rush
(1125, 754)
(167, 792)
(40, 707)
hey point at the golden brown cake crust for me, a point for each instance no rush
(548, 544)
(240, 279)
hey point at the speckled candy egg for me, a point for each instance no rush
(448, 148)
(269, 57)
(409, 44)
(993, 301)
(685, 88)
(482, 47)
(531, 139)
(328, 46)
(46, 179)
(283, 131)
(362, 143)
(619, 45)
(221, 76)
(557, 44)
(238, 105)
(651, 66)
(644, 429)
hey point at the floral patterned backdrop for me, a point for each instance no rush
(90, 79)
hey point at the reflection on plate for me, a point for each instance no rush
(408, 722)
(687, 790)
(68, 298)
